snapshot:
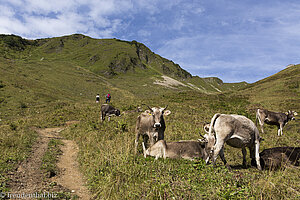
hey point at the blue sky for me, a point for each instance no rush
(235, 40)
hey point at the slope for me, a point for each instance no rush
(278, 92)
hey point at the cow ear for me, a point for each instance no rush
(206, 128)
(295, 113)
(167, 112)
(147, 112)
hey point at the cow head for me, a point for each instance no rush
(157, 114)
(117, 112)
(209, 141)
(291, 115)
(156, 150)
(153, 137)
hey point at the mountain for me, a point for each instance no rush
(76, 67)
(109, 58)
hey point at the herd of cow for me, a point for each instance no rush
(235, 130)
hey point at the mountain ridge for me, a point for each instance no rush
(106, 57)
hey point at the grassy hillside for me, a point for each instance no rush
(279, 92)
(47, 82)
(110, 58)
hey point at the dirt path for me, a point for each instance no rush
(71, 177)
(29, 178)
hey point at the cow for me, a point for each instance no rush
(237, 131)
(279, 157)
(151, 125)
(189, 149)
(108, 110)
(274, 118)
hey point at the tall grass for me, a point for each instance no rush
(106, 157)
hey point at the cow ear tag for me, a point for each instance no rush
(149, 113)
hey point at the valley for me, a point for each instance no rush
(47, 83)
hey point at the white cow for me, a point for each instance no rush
(237, 131)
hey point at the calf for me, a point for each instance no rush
(237, 131)
(151, 125)
(182, 149)
(278, 157)
(108, 110)
(274, 118)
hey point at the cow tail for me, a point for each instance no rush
(256, 148)
(212, 123)
(257, 117)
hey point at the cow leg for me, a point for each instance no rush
(221, 153)
(262, 127)
(244, 152)
(108, 118)
(252, 155)
(102, 116)
(145, 140)
(136, 142)
(144, 150)
(222, 156)
(217, 148)
(281, 126)
(257, 154)
(279, 130)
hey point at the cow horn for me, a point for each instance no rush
(150, 108)
(165, 108)
(202, 136)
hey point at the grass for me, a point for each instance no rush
(16, 139)
(51, 157)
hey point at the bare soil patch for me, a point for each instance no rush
(169, 82)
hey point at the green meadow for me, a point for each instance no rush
(48, 82)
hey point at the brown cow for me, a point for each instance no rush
(183, 149)
(151, 125)
(279, 157)
(274, 118)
